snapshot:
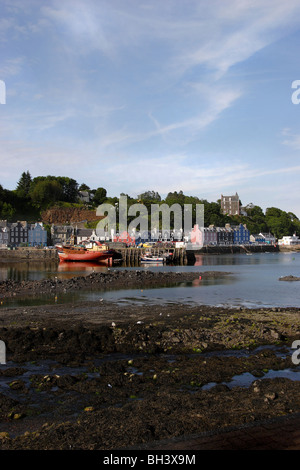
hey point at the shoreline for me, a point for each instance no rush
(101, 375)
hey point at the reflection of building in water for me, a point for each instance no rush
(198, 260)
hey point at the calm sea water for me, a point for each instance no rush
(253, 281)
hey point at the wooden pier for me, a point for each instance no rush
(131, 256)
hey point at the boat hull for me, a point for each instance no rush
(87, 256)
(152, 260)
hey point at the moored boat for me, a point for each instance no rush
(99, 253)
(151, 259)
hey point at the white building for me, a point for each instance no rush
(85, 234)
(288, 240)
(4, 237)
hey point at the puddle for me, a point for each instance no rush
(246, 379)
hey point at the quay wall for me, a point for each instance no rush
(288, 248)
(33, 254)
(218, 249)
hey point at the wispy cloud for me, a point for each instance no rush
(11, 67)
(141, 87)
(232, 34)
(292, 140)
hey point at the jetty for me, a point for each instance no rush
(131, 256)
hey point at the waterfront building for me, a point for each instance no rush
(289, 241)
(124, 237)
(262, 238)
(18, 233)
(241, 235)
(37, 235)
(84, 234)
(197, 237)
(256, 238)
(225, 235)
(268, 238)
(62, 234)
(210, 236)
(4, 237)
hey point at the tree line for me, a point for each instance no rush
(33, 195)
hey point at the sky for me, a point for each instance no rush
(162, 95)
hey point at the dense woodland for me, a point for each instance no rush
(34, 195)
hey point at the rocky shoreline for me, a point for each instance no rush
(104, 376)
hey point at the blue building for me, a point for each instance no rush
(241, 235)
(37, 235)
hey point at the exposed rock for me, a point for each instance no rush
(289, 278)
(64, 215)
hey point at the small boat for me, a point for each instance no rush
(152, 259)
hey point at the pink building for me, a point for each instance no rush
(197, 237)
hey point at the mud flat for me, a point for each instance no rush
(104, 376)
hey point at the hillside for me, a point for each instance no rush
(68, 215)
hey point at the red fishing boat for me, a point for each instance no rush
(97, 252)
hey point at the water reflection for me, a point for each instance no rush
(27, 270)
(68, 270)
(253, 281)
(229, 259)
(36, 270)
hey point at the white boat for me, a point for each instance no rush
(151, 259)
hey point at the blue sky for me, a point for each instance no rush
(169, 95)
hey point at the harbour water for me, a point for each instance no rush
(253, 281)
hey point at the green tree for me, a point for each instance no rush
(69, 187)
(84, 187)
(175, 198)
(99, 196)
(152, 196)
(7, 211)
(279, 222)
(45, 193)
(24, 183)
